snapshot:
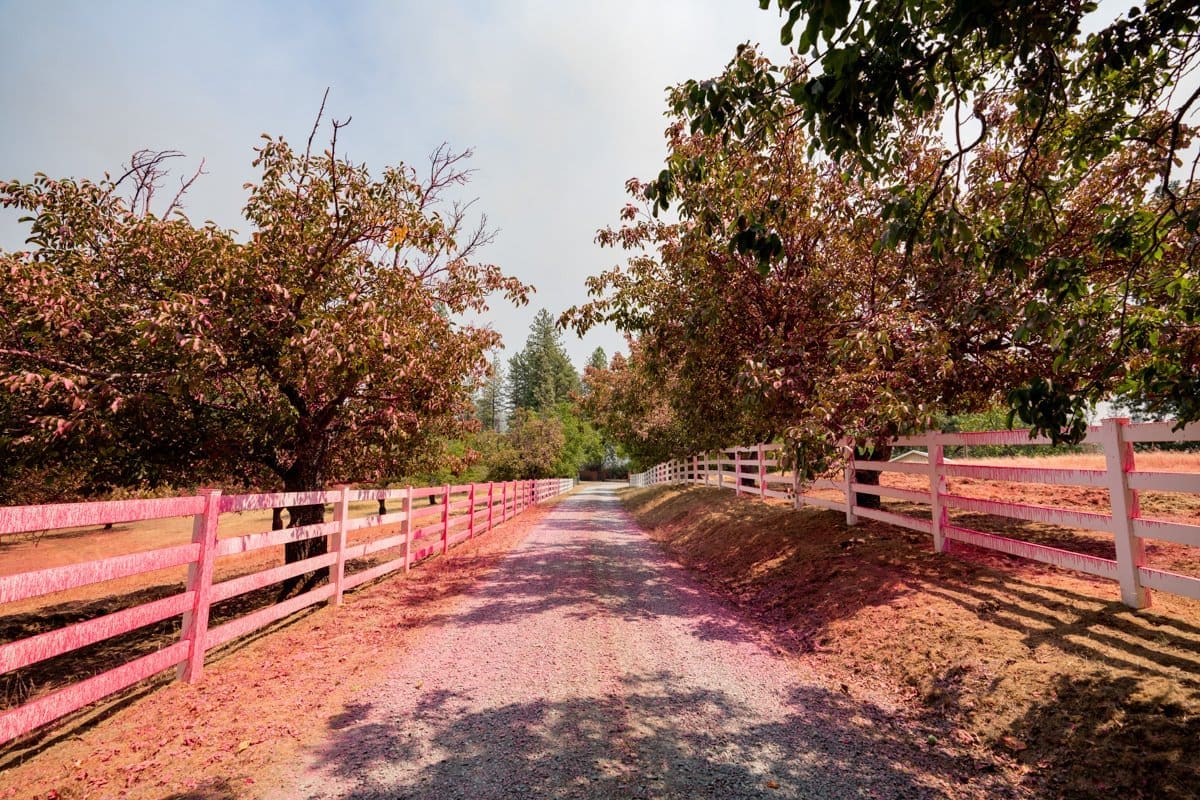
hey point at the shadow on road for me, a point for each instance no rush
(576, 573)
(654, 738)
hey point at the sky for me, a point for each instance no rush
(561, 100)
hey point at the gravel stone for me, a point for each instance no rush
(589, 665)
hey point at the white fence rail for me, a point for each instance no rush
(754, 471)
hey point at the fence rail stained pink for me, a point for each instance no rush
(1124, 520)
(458, 513)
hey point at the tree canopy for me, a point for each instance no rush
(541, 376)
(773, 306)
(1038, 112)
(323, 345)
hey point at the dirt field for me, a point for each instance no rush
(1044, 671)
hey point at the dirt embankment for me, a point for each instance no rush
(1044, 672)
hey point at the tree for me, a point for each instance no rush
(630, 407)
(541, 375)
(322, 346)
(772, 306)
(491, 403)
(871, 75)
(532, 447)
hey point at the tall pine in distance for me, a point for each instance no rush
(491, 402)
(541, 375)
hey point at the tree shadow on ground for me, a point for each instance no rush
(654, 737)
(216, 789)
(1111, 739)
(572, 570)
(876, 565)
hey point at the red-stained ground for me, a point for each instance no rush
(260, 698)
(1077, 694)
(1080, 696)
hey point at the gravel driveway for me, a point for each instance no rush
(590, 666)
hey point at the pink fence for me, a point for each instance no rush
(454, 513)
(755, 471)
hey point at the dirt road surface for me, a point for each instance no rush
(590, 666)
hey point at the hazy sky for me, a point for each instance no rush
(562, 101)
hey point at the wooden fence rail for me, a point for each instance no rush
(747, 471)
(456, 514)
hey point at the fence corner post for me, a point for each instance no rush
(848, 485)
(199, 581)
(341, 513)
(408, 526)
(938, 513)
(1131, 550)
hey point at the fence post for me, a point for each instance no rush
(848, 481)
(199, 580)
(504, 502)
(737, 472)
(797, 500)
(408, 515)
(491, 502)
(445, 518)
(471, 511)
(762, 474)
(938, 513)
(721, 469)
(341, 512)
(1131, 550)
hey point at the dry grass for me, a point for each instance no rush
(1044, 673)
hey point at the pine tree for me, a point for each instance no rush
(541, 375)
(491, 403)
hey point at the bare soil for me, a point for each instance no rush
(1042, 672)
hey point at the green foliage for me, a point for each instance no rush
(531, 447)
(322, 345)
(1038, 114)
(541, 376)
(491, 402)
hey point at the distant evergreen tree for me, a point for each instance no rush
(541, 376)
(491, 403)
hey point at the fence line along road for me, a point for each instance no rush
(455, 513)
(748, 470)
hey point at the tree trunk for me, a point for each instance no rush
(382, 506)
(304, 478)
(869, 477)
